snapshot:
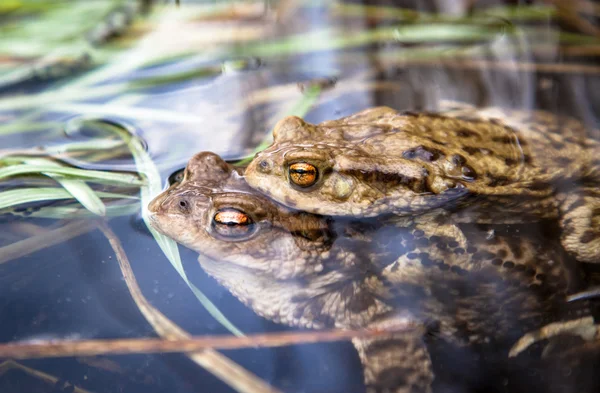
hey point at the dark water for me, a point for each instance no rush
(75, 290)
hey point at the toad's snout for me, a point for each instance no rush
(155, 204)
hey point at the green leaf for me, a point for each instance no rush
(94, 145)
(118, 178)
(75, 211)
(37, 194)
(79, 189)
(178, 77)
(83, 193)
(136, 113)
(530, 13)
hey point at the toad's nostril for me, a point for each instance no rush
(264, 166)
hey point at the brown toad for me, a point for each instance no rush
(486, 165)
(311, 271)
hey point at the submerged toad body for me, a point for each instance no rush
(308, 270)
(488, 165)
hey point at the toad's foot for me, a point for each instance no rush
(433, 241)
(583, 327)
(398, 363)
(581, 223)
(438, 235)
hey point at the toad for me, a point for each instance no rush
(486, 165)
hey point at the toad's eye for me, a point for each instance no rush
(232, 223)
(303, 174)
(176, 177)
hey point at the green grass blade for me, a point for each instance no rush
(534, 12)
(96, 144)
(83, 193)
(38, 194)
(21, 126)
(172, 78)
(75, 211)
(135, 113)
(79, 189)
(117, 178)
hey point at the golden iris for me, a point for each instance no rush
(303, 174)
(232, 223)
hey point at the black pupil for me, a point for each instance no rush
(232, 223)
(302, 171)
(182, 203)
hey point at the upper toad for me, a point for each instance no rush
(491, 165)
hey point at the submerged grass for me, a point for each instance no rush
(73, 180)
(77, 188)
(533, 12)
(75, 211)
(21, 196)
(89, 175)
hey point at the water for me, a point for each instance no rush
(199, 79)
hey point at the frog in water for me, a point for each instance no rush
(308, 270)
(485, 165)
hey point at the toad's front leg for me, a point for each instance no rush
(582, 327)
(398, 363)
(580, 222)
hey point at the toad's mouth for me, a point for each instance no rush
(154, 220)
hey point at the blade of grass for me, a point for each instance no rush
(532, 12)
(83, 193)
(329, 39)
(40, 375)
(96, 144)
(28, 101)
(521, 13)
(74, 211)
(26, 195)
(89, 175)
(68, 230)
(172, 78)
(135, 113)
(79, 189)
(220, 366)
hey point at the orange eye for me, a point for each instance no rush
(303, 174)
(232, 223)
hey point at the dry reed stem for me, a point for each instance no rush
(220, 366)
(65, 348)
(50, 379)
(470, 64)
(50, 238)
